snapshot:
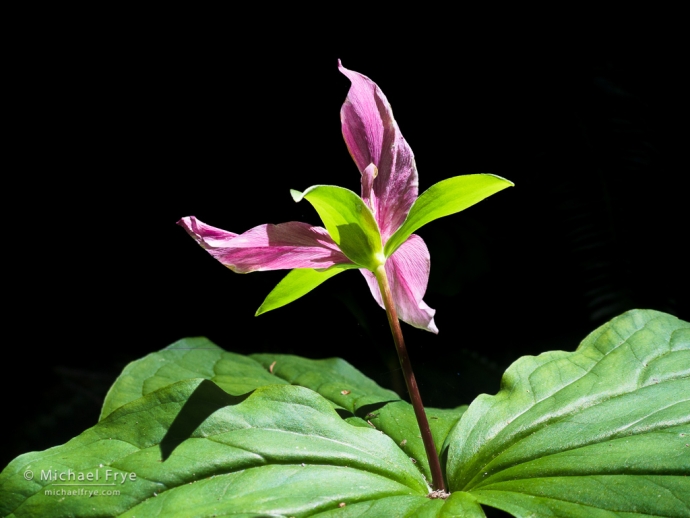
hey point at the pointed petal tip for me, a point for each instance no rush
(184, 222)
(268, 247)
(421, 322)
(432, 327)
(346, 71)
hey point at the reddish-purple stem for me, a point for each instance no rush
(416, 399)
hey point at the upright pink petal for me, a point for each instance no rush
(408, 274)
(373, 137)
(267, 247)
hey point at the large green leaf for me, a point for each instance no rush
(349, 221)
(196, 451)
(443, 199)
(459, 505)
(333, 378)
(365, 403)
(397, 420)
(603, 431)
(186, 359)
(357, 398)
(298, 283)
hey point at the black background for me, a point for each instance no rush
(123, 128)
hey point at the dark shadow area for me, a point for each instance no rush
(364, 411)
(371, 408)
(443, 459)
(344, 414)
(206, 399)
(593, 226)
(492, 512)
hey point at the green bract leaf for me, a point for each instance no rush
(187, 359)
(349, 222)
(443, 199)
(603, 431)
(298, 283)
(196, 450)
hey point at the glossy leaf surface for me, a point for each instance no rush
(187, 359)
(362, 402)
(603, 431)
(196, 450)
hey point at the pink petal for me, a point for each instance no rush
(373, 137)
(368, 176)
(408, 274)
(267, 247)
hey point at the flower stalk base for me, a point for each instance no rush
(437, 483)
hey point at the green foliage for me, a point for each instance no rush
(190, 358)
(602, 431)
(444, 198)
(352, 226)
(349, 222)
(297, 284)
(361, 402)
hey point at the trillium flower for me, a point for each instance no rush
(367, 232)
